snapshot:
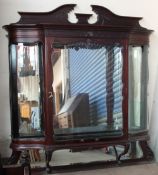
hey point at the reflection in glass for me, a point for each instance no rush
(138, 77)
(28, 87)
(88, 92)
(69, 157)
(81, 155)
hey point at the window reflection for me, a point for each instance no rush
(88, 91)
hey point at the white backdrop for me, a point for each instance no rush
(146, 9)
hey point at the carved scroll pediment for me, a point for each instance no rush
(59, 17)
(106, 17)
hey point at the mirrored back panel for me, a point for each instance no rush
(88, 92)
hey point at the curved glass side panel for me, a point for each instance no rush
(88, 92)
(28, 86)
(138, 78)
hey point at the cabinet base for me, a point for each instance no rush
(120, 160)
(147, 155)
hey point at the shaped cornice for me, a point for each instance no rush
(106, 19)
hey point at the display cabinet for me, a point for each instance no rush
(78, 85)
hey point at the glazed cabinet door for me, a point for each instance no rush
(26, 89)
(138, 81)
(90, 90)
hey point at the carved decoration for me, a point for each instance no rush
(106, 17)
(59, 17)
(78, 45)
(88, 44)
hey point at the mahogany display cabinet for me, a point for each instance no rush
(78, 85)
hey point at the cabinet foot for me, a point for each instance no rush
(147, 152)
(14, 157)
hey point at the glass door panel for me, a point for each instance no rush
(28, 67)
(88, 92)
(138, 78)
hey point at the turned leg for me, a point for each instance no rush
(147, 152)
(14, 157)
(48, 154)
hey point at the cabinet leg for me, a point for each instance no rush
(133, 152)
(25, 161)
(14, 157)
(125, 151)
(48, 155)
(116, 153)
(147, 152)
